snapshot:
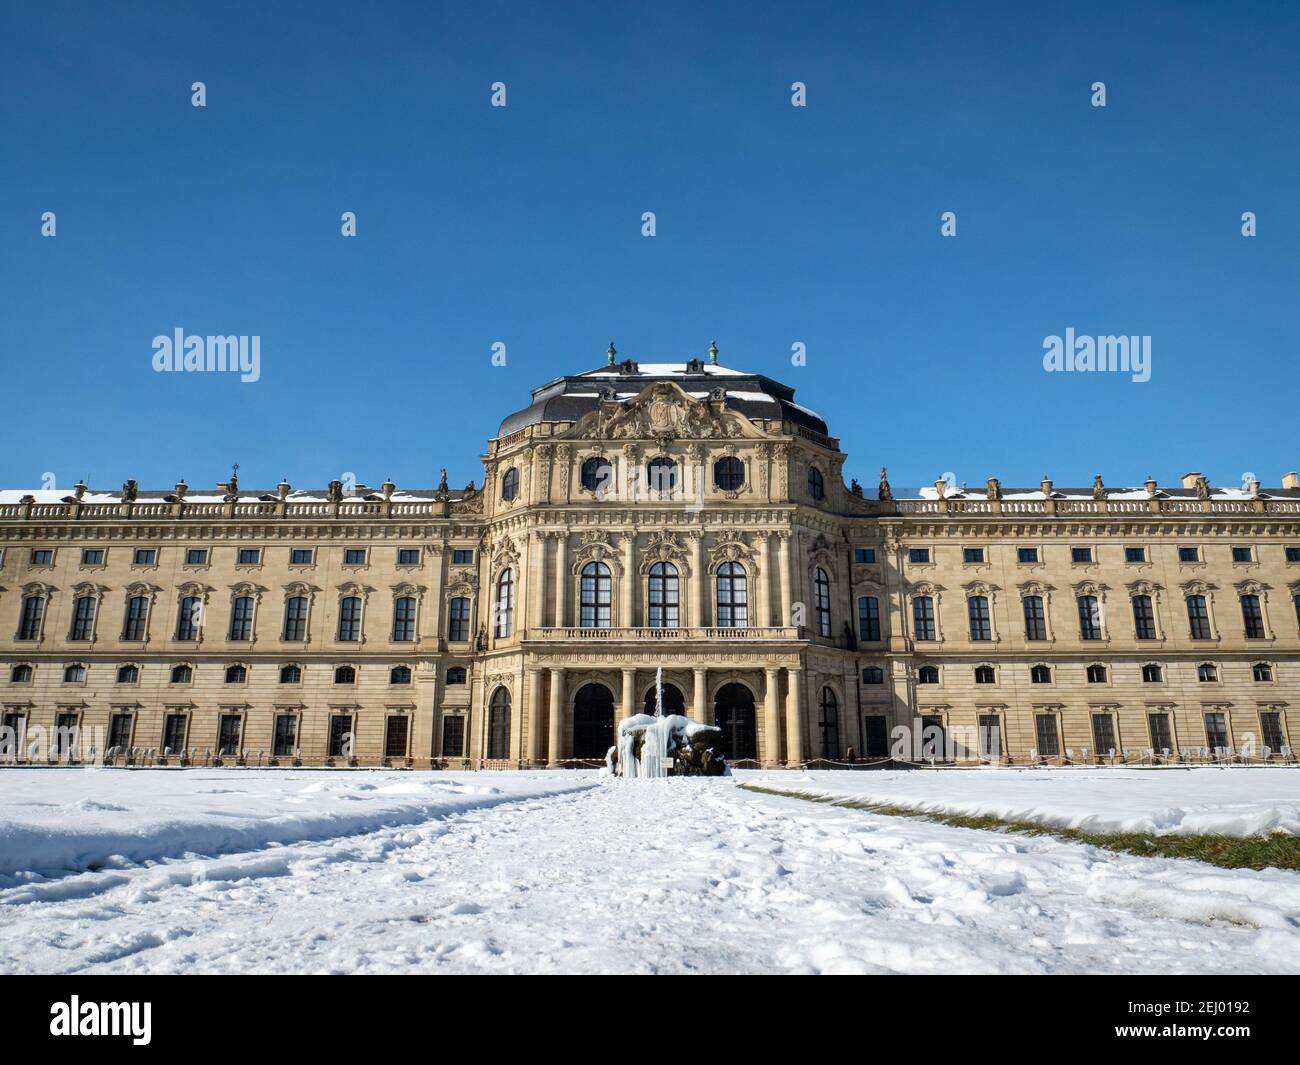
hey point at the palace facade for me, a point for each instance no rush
(685, 516)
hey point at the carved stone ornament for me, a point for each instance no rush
(663, 413)
(665, 546)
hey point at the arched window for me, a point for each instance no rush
(456, 675)
(927, 675)
(74, 674)
(404, 618)
(734, 714)
(83, 618)
(594, 595)
(499, 725)
(822, 601)
(291, 674)
(1207, 673)
(1089, 618)
(1096, 674)
(29, 628)
(236, 674)
(816, 485)
(674, 700)
(241, 618)
(295, 618)
(663, 602)
(128, 674)
(1144, 618)
(345, 675)
(188, 617)
(923, 617)
(733, 596)
(21, 674)
(510, 485)
(350, 618)
(729, 473)
(597, 474)
(661, 474)
(977, 606)
(983, 674)
(1035, 619)
(399, 675)
(829, 724)
(1198, 617)
(1262, 672)
(182, 674)
(458, 619)
(1152, 673)
(1041, 675)
(505, 610)
(1253, 617)
(593, 721)
(137, 618)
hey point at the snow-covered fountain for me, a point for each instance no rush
(662, 745)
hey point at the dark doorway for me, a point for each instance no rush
(593, 721)
(875, 732)
(674, 701)
(734, 714)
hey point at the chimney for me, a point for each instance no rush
(1190, 479)
(1291, 480)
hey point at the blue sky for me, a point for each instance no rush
(521, 224)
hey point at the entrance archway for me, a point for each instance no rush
(593, 721)
(674, 701)
(734, 714)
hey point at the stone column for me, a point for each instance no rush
(783, 560)
(537, 580)
(557, 717)
(698, 580)
(794, 718)
(561, 579)
(627, 619)
(628, 695)
(701, 694)
(535, 716)
(764, 581)
(772, 716)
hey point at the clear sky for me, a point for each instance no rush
(522, 225)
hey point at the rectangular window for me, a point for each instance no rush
(1081, 554)
(408, 556)
(972, 554)
(869, 618)
(1270, 723)
(42, 557)
(1242, 554)
(1103, 734)
(67, 733)
(453, 736)
(1135, 554)
(1198, 617)
(249, 556)
(864, 554)
(462, 556)
(301, 556)
(228, 734)
(458, 620)
(1049, 745)
(1089, 618)
(92, 556)
(83, 618)
(918, 554)
(1162, 736)
(1216, 731)
(340, 736)
(1189, 554)
(1293, 554)
(196, 556)
(990, 737)
(145, 556)
(1144, 618)
(119, 732)
(873, 675)
(29, 627)
(923, 616)
(354, 556)
(1253, 617)
(174, 733)
(395, 737)
(286, 734)
(980, 626)
(1026, 555)
(1035, 620)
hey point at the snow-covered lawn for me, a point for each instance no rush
(266, 871)
(1203, 800)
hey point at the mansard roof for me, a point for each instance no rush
(568, 398)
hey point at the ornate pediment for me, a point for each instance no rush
(595, 547)
(664, 546)
(663, 413)
(730, 546)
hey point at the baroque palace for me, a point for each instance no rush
(684, 516)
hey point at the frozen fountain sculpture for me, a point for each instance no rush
(662, 745)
